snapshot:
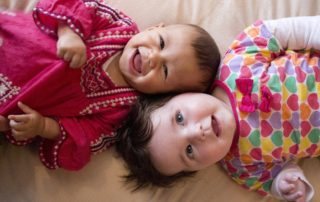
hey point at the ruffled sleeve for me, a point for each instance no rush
(80, 138)
(255, 43)
(256, 177)
(70, 151)
(293, 169)
(74, 13)
(13, 141)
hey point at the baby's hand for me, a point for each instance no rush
(4, 124)
(292, 188)
(28, 125)
(70, 47)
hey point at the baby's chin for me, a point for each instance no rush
(146, 88)
(143, 89)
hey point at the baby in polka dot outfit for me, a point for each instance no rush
(262, 115)
(71, 70)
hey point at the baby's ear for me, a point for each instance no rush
(161, 24)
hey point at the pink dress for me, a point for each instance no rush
(85, 102)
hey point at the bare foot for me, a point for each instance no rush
(4, 124)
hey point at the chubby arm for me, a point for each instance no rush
(70, 47)
(31, 124)
(291, 184)
(296, 32)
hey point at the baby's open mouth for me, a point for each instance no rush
(137, 63)
(215, 126)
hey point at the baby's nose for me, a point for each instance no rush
(154, 58)
(197, 132)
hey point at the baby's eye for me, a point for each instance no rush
(162, 44)
(179, 118)
(165, 71)
(189, 151)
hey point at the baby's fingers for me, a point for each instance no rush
(25, 108)
(65, 54)
(293, 196)
(18, 118)
(286, 187)
(16, 125)
(75, 61)
(83, 59)
(68, 56)
(78, 60)
(18, 135)
(4, 123)
(60, 52)
(291, 178)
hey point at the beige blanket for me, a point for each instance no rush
(24, 179)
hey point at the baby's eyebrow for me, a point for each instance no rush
(166, 38)
(173, 118)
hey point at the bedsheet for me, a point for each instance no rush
(24, 179)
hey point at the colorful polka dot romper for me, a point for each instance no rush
(276, 96)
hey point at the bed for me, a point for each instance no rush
(24, 179)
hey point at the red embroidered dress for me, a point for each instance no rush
(85, 102)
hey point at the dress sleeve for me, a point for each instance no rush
(257, 177)
(296, 33)
(73, 144)
(74, 13)
(80, 138)
(292, 168)
(254, 44)
(92, 20)
(13, 141)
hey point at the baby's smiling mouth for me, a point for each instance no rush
(137, 62)
(215, 126)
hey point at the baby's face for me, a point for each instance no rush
(161, 59)
(191, 132)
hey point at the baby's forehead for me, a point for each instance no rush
(175, 101)
(181, 28)
(190, 79)
(161, 113)
(155, 118)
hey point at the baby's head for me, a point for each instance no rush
(168, 138)
(173, 58)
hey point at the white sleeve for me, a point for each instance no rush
(292, 168)
(296, 32)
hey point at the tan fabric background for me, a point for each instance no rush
(24, 179)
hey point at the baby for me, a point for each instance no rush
(70, 71)
(262, 115)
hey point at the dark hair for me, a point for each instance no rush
(207, 54)
(132, 145)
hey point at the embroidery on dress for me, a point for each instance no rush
(103, 143)
(92, 80)
(98, 106)
(7, 90)
(5, 12)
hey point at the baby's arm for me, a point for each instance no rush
(71, 47)
(296, 32)
(291, 184)
(31, 124)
